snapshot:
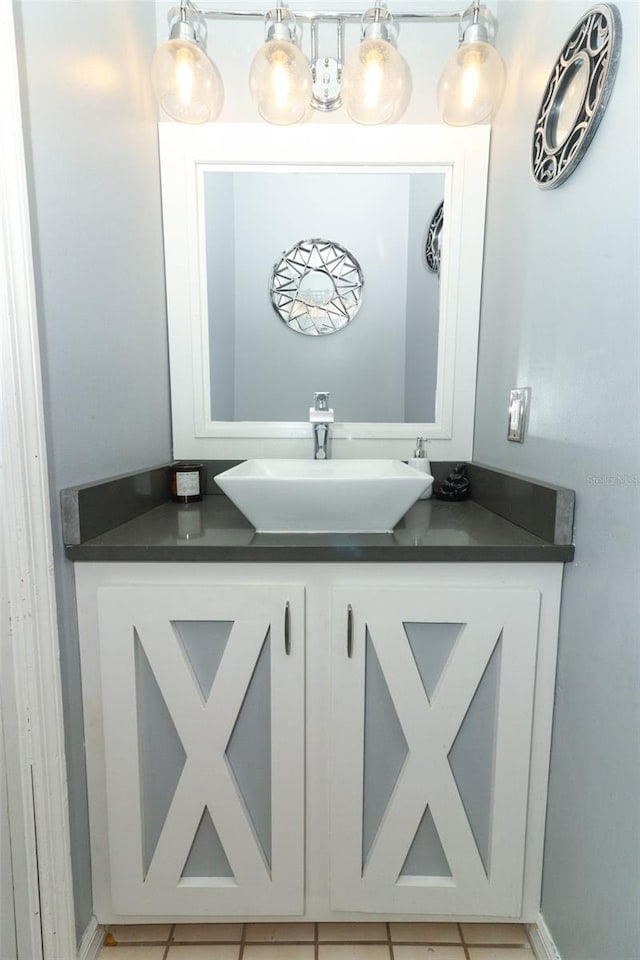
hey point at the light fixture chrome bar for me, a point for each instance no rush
(308, 16)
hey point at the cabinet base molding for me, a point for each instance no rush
(542, 942)
(91, 942)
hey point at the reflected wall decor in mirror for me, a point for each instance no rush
(433, 245)
(243, 208)
(315, 287)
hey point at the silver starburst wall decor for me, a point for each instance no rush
(316, 287)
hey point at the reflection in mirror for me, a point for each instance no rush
(379, 368)
(433, 247)
(316, 287)
(567, 102)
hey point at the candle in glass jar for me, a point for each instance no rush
(186, 482)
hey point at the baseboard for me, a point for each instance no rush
(91, 942)
(541, 941)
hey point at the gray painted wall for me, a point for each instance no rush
(92, 166)
(560, 314)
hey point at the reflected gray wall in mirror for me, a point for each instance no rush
(380, 368)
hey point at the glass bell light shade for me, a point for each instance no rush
(471, 85)
(374, 82)
(280, 82)
(186, 83)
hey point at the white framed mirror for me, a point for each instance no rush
(236, 197)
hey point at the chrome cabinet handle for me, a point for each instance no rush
(287, 629)
(349, 631)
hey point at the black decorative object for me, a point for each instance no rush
(433, 243)
(455, 487)
(576, 96)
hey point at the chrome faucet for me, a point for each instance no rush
(320, 415)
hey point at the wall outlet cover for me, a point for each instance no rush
(518, 409)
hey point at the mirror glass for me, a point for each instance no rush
(379, 365)
(568, 102)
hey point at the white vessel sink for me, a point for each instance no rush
(323, 496)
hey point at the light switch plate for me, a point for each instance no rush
(518, 409)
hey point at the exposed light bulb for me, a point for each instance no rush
(185, 75)
(186, 83)
(375, 79)
(373, 82)
(280, 82)
(373, 75)
(471, 85)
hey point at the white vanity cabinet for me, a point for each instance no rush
(321, 741)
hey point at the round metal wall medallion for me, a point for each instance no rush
(433, 246)
(316, 287)
(576, 96)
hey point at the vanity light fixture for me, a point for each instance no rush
(280, 75)
(374, 83)
(472, 82)
(375, 77)
(186, 83)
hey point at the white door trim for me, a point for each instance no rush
(8, 945)
(29, 674)
(92, 941)
(541, 941)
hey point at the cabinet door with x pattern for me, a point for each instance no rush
(203, 706)
(432, 702)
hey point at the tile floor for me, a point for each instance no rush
(318, 941)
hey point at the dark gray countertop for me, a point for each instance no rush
(215, 531)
